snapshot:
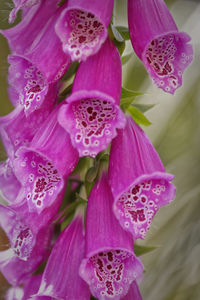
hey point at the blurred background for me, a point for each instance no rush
(172, 271)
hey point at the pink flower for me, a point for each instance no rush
(138, 180)
(158, 43)
(110, 265)
(92, 113)
(82, 27)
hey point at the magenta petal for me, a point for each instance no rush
(43, 167)
(31, 286)
(39, 44)
(82, 27)
(138, 180)
(18, 130)
(15, 270)
(164, 51)
(9, 184)
(93, 114)
(110, 265)
(69, 248)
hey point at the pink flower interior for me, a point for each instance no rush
(42, 180)
(84, 34)
(22, 241)
(166, 58)
(136, 207)
(93, 125)
(110, 273)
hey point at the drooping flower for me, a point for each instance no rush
(138, 180)
(17, 129)
(110, 265)
(37, 57)
(82, 27)
(22, 227)
(92, 113)
(69, 248)
(156, 40)
(20, 4)
(29, 235)
(43, 167)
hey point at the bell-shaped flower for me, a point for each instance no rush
(20, 4)
(29, 235)
(82, 27)
(156, 40)
(60, 279)
(110, 265)
(92, 113)
(9, 184)
(37, 57)
(43, 167)
(138, 180)
(17, 129)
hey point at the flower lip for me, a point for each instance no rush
(136, 206)
(42, 181)
(81, 31)
(166, 57)
(91, 118)
(108, 270)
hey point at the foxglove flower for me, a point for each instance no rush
(37, 57)
(17, 129)
(20, 4)
(9, 184)
(23, 227)
(69, 248)
(14, 269)
(138, 180)
(158, 43)
(92, 113)
(110, 265)
(82, 27)
(43, 167)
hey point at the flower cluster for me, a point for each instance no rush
(57, 141)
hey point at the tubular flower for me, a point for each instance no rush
(30, 237)
(37, 57)
(82, 27)
(156, 40)
(20, 4)
(17, 129)
(43, 167)
(138, 180)
(23, 227)
(92, 113)
(69, 247)
(110, 265)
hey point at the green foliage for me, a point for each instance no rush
(138, 116)
(126, 58)
(143, 107)
(127, 98)
(123, 32)
(141, 250)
